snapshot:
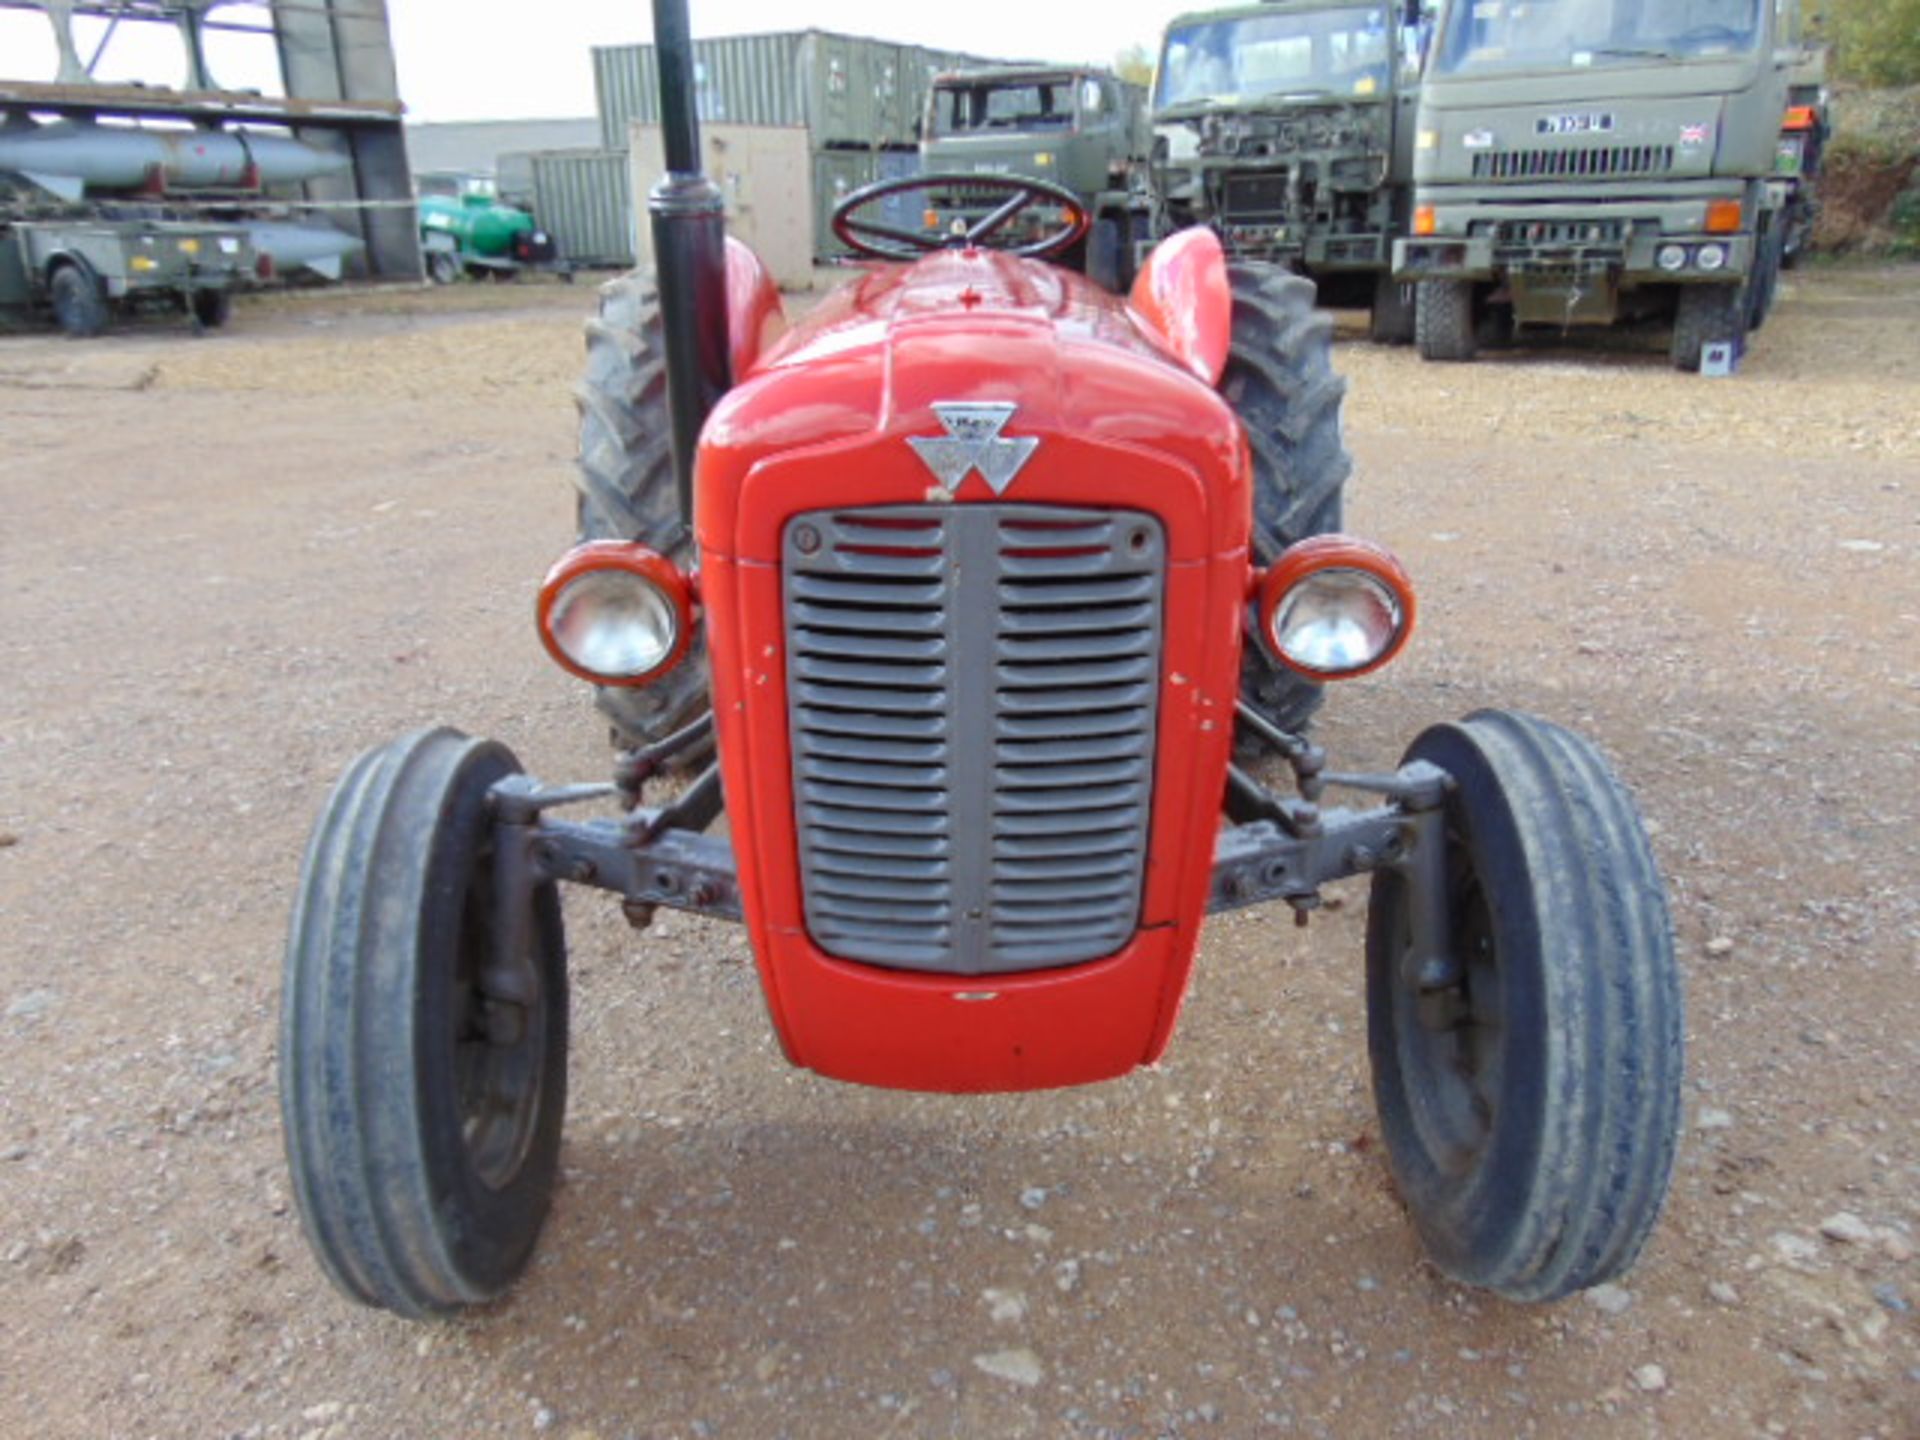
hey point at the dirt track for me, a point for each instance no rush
(227, 566)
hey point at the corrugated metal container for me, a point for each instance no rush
(848, 91)
(584, 199)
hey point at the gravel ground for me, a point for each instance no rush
(229, 565)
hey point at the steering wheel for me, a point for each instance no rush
(889, 242)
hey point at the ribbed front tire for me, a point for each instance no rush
(422, 1117)
(1531, 1112)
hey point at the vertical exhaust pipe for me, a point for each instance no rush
(688, 214)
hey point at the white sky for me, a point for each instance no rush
(456, 64)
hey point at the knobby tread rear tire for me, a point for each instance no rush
(1444, 326)
(1707, 315)
(393, 1210)
(1572, 1176)
(627, 486)
(1281, 382)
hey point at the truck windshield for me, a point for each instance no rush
(1308, 53)
(1482, 36)
(1003, 105)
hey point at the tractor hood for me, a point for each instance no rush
(884, 360)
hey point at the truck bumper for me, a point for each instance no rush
(1495, 236)
(1319, 252)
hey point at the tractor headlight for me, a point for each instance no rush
(1672, 258)
(1712, 257)
(616, 614)
(1335, 608)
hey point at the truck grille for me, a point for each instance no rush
(1586, 162)
(972, 694)
(1257, 196)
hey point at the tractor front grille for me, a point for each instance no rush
(972, 695)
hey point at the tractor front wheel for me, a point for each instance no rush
(1281, 382)
(628, 490)
(1530, 1103)
(422, 1113)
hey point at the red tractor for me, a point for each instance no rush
(972, 580)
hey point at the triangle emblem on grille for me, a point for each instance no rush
(973, 442)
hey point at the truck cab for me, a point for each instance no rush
(1583, 162)
(1288, 128)
(1082, 129)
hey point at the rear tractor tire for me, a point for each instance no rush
(422, 1116)
(1445, 326)
(1281, 382)
(1530, 1108)
(628, 490)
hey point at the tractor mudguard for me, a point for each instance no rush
(756, 315)
(1184, 300)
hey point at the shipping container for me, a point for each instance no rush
(583, 199)
(848, 91)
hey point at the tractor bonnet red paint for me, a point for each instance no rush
(1126, 418)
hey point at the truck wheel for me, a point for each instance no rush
(1107, 256)
(1444, 325)
(1281, 383)
(422, 1119)
(627, 486)
(1392, 319)
(1708, 315)
(1765, 285)
(211, 309)
(78, 306)
(443, 267)
(1530, 1111)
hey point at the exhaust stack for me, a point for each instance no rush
(689, 251)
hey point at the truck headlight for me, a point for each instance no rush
(1336, 608)
(616, 613)
(1712, 257)
(1672, 258)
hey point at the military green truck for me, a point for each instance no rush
(1589, 162)
(1803, 143)
(1288, 128)
(84, 265)
(1083, 129)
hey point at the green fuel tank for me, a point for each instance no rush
(479, 226)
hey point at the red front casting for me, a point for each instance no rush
(822, 419)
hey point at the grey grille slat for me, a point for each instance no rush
(1084, 592)
(1069, 726)
(874, 698)
(835, 590)
(973, 700)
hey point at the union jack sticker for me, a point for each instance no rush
(1691, 135)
